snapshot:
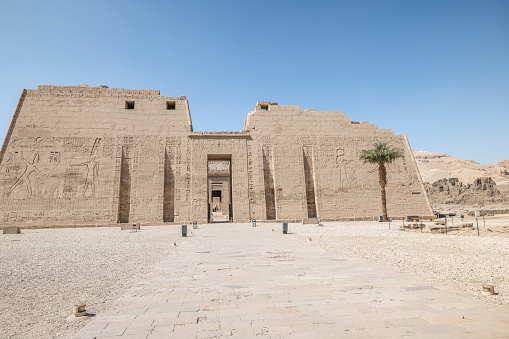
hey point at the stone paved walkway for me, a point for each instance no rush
(236, 280)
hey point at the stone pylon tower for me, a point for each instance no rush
(86, 155)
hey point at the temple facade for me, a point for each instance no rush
(77, 155)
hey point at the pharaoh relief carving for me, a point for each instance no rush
(91, 170)
(22, 177)
(346, 170)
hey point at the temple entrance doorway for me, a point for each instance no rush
(219, 188)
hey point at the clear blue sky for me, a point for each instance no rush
(435, 70)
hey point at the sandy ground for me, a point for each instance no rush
(45, 272)
(460, 259)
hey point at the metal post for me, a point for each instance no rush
(184, 230)
(477, 226)
(195, 225)
(446, 225)
(484, 221)
(285, 228)
(253, 222)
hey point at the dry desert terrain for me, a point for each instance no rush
(46, 271)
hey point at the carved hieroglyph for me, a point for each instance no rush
(104, 155)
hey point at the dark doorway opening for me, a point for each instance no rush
(219, 188)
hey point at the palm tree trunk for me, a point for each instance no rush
(382, 179)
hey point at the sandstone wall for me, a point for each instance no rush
(343, 186)
(64, 152)
(85, 155)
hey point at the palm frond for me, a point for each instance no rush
(381, 153)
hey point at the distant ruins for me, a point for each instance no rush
(86, 155)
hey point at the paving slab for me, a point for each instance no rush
(234, 280)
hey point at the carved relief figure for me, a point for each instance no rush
(10, 157)
(92, 166)
(24, 178)
(341, 163)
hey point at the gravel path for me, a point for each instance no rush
(44, 272)
(464, 262)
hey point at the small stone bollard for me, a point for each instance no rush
(195, 225)
(184, 230)
(253, 222)
(285, 228)
(78, 310)
(488, 289)
(11, 230)
(129, 227)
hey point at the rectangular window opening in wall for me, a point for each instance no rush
(54, 156)
(216, 194)
(264, 107)
(129, 105)
(170, 105)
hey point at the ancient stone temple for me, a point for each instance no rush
(99, 155)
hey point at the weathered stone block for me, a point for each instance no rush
(129, 227)
(11, 230)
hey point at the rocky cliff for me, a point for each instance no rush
(459, 184)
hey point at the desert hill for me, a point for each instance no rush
(436, 166)
(463, 185)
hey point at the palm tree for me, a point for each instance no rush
(380, 155)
